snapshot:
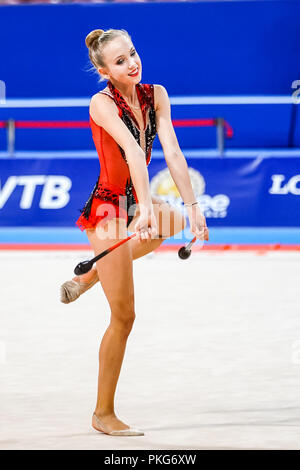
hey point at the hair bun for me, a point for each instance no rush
(95, 34)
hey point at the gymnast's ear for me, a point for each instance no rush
(103, 74)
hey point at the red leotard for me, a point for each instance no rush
(114, 185)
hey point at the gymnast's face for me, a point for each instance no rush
(121, 60)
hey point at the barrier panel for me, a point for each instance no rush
(231, 191)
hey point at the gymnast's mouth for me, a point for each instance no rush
(134, 73)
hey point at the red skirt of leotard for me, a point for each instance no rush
(100, 214)
(106, 202)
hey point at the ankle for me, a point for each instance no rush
(86, 278)
(104, 414)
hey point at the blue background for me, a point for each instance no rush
(192, 48)
(206, 48)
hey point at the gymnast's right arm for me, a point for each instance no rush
(104, 112)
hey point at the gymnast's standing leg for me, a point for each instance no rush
(116, 277)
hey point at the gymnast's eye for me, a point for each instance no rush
(120, 61)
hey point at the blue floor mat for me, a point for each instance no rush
(244, 235)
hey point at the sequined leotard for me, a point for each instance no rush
(114, 181)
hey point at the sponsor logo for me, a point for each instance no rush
(55, 192)
(162, 185)
(281, 186)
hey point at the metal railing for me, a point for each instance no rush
(223, 128)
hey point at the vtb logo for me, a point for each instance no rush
(280, 186)
(55, 193)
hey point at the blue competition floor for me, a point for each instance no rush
(238, 235)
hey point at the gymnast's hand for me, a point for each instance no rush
(146, 225)
(198, 223)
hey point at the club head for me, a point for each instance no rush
(183, 253)
(83, 267)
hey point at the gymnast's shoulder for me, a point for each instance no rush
(161, 97)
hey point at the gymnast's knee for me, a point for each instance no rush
(122, 317)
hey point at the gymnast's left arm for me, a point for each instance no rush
(176, 161)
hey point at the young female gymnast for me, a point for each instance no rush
(125, 118)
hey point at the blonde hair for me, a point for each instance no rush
(95, 42)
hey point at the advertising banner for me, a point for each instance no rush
(245, 192)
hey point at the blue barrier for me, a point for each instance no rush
(254, 125)
(254, 191)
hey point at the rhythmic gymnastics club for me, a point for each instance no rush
(86, 266)
(185, 251)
